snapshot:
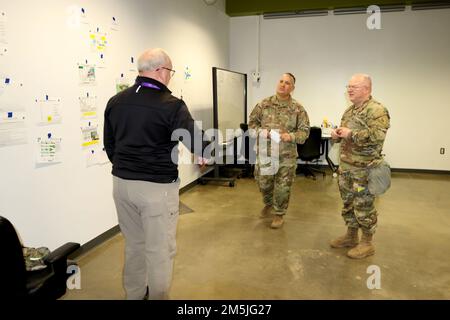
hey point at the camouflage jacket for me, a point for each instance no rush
(34, 258)
(369, 124)
(286, 117)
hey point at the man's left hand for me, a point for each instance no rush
(286, 137)
(344, 133)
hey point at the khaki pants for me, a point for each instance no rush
(148, 215)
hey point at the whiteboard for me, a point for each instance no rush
(230, 101)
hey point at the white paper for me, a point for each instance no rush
(86, 73)
(48, 150)
(12, 125)
(88, 106)
(3, 42)
(115, 24)
(275, 136)
(83, 16)
(96, 156)
(122, 84)
(89, 133)
(49, 111)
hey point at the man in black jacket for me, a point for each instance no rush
(140, 137)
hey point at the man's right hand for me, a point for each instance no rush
(202, 162)
(334, 134)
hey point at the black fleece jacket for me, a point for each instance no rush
(139, 123)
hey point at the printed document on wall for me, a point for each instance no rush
(86, 73)
(88, 106)
(96, 156)
(12, 124)
(49, 111)
(48, 150)
(3, 42)
(89, 133)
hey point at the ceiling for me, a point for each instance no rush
(235, 8)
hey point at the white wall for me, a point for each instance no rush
(52, 204)
(408, 59)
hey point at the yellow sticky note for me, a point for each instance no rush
(49, 118)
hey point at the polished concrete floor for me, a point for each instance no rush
(225, 251)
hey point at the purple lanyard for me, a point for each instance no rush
(149, 85)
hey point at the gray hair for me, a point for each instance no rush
(152, 59)
(364, 78)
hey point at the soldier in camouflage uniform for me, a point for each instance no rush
(362, 133)
(280, 123)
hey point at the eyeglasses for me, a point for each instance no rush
(172, 72)
(353, 87)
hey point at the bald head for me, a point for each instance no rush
(155, 64)
(359, 88)
(362, 79)
(152, 59)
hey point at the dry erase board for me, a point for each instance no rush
(230, 101)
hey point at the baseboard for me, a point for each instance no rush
(105, 236)
(400, 170)
(444, 172)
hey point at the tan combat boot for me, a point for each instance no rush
(265, 212)
(348, 240)
(364, 249)
(277, 222)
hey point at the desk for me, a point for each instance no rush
(325, 147)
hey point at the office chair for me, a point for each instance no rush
(309, 151)
(247, 150)
(18, 283)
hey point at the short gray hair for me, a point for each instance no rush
(364, 78)
(152, 59)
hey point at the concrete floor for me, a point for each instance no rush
(225, 251)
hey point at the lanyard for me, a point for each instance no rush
(147, 85)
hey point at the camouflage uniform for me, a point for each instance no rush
(285, 116)
(369, 124)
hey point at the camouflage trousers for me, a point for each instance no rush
(359, 210)
(276, 189)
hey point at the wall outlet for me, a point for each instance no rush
(256, 76)
(442, 151)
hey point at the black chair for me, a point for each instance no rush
(247, 151)
(18, 283)
(311, 150)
